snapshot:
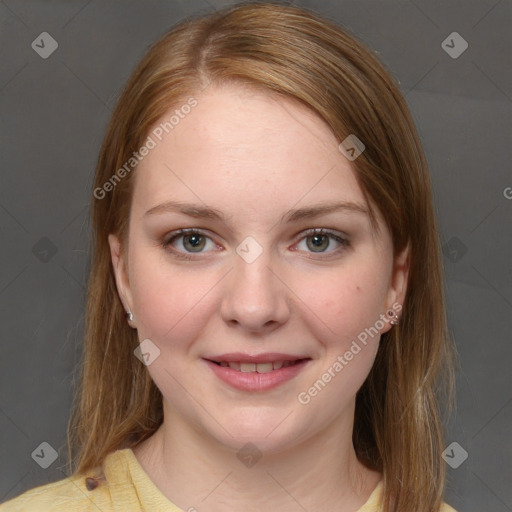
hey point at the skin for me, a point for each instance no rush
(254, 157)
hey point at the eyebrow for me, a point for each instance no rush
(205, 212)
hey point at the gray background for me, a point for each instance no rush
(53, 113)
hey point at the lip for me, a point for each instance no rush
(267, 357)
(254, 381)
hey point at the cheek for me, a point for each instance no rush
(348, 307)
(347, 302)
(170, 302)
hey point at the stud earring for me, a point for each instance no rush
(394, 319)
(129, 315)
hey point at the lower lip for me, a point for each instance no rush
(254, 381)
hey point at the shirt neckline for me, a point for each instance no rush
(150, 495)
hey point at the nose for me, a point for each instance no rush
(256, 298)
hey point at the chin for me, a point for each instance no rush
(268, 436)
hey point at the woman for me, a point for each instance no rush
(265, 319)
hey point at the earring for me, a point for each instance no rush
(394, 319)
(129, 315)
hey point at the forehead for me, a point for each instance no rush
(247, 149)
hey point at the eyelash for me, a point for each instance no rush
(167, 242)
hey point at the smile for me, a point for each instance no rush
(257, 376)
(257, 367)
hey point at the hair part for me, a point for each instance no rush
(293, 53)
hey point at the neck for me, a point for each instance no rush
(195, 472)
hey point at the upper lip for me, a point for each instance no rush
(268, 357)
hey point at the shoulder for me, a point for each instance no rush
(66, 494)
(374, 503)
(446, 508)
(109, 487)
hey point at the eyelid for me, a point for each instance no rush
(324, 231)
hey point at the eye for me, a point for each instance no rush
(193, 241)
(319, 240)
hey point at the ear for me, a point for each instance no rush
(398, 285)
(121, 274)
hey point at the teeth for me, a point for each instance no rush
(264, 367)
(257, 367)
(247, 367)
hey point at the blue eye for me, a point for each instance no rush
(194, 241)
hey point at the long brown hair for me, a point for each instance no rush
(288, 51)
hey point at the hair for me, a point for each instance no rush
(295, 54)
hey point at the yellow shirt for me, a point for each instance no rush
(129, 489)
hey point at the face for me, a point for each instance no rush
(261, 271)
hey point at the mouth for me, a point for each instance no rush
(257, 376)
(266, 367)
